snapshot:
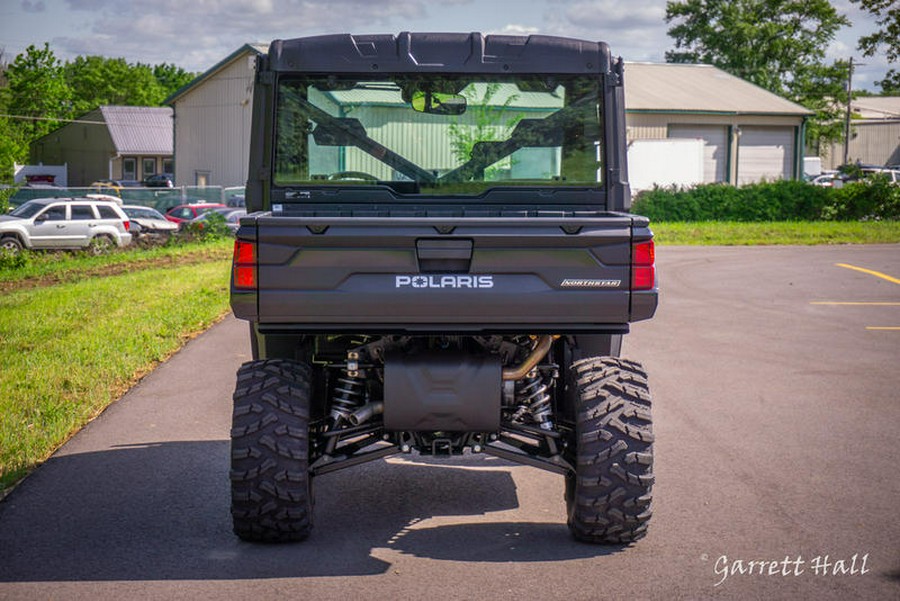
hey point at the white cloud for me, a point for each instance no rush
(636, 30)
(515, 29)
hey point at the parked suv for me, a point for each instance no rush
(65, 223)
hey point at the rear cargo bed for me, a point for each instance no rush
(525, 274)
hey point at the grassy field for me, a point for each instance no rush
(802, 233)
(73, 346)
(58, 267)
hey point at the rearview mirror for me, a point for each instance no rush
(438, 103)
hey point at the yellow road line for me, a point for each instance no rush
(877, 274)
(888, 328)
(856, 303)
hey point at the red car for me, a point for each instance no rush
(183, 213)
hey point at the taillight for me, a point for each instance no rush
(244, 265)
(643, 269)
(127, 225)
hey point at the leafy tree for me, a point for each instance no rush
(12, 149)
(171, 77)
(37, 93)
(778, 45)
(96, 80)
(887, 13)
(9, 146)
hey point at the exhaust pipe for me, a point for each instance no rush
(540, 351)
(366, 412)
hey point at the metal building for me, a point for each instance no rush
(749, 133)
(874, 134)
(110, 142)
(212, 122)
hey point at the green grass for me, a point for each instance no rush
(71, 266)
(71, 349)
(803, 233)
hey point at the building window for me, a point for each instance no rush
(129, 168)
(201, 178)
(149, 166)
(168, 166)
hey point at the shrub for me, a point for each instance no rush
(10, 260)
(211, 227)
(872, 198)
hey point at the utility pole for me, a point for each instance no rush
(847, 119)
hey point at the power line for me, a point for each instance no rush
(107, 123)
(26, 118)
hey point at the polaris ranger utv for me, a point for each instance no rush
(439, 258)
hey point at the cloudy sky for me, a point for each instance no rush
(196, 34)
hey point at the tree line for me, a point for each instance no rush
(780, 45)
(39, 93)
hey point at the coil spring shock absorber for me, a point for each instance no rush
(348, 391)
(532, 393)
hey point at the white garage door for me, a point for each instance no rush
(765, 153)
(715, 153)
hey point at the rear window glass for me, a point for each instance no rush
(82, 212)
(107, 213)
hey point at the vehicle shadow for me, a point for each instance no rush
(160, 512)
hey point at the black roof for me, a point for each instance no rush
(439, 52)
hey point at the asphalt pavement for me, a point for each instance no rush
(776, 381)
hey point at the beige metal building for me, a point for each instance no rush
(212, 122)
(750, 134)
(111, 142)
(874, 134)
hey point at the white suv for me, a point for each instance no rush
(52, 223)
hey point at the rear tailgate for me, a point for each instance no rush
(427, 274)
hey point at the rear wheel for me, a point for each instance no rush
(271, 492)
(102, 244)
(608, 496)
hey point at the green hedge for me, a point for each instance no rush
(872, 198)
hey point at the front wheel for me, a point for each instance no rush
(11, 244)
(608, 496)
(271, 488)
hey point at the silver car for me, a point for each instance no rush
(151, 221)
(65, 223)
